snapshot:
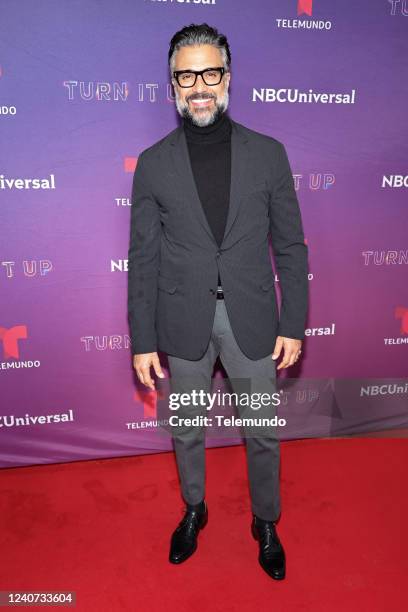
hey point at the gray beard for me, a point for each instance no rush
(221, 106)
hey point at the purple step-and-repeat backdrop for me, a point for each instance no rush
(84, 88)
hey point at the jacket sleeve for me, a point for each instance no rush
(290, 250)
(143, 262)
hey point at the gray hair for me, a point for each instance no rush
(199, 34)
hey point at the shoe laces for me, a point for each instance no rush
(269, 538)
(189, 522)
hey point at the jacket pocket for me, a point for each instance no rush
(167, 284)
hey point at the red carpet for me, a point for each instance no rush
(102, 529)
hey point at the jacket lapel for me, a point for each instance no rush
(185, 176)
(239, 174)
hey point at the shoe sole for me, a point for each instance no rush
(182, 559)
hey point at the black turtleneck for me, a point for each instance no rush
(210, 154)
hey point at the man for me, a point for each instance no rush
(205, 199)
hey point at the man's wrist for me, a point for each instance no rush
(143, 350)
(291, 334)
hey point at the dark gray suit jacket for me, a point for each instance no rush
(173, 258)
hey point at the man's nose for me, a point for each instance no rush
(200, 85)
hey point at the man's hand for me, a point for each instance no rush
(142, 362)
(291, 351)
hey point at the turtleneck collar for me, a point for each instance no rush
(218, 131)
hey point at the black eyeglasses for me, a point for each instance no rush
(210, 76)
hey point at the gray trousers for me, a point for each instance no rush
(263, 452)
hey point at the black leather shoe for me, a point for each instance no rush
(271, 553)
(184, 538)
